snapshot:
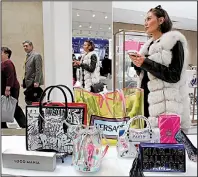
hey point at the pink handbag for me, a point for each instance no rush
(169, 125)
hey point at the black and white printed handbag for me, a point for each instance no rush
(130, 138)
(48, 123)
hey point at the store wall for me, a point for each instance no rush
(191, 37)
(22, 21)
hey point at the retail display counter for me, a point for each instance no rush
(112, 165)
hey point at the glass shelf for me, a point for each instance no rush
(124, 74)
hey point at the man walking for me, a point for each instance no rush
(33, 74)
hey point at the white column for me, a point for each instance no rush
(57, 30)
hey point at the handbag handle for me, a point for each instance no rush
(139, 117)
(64, 86)
(40, 122)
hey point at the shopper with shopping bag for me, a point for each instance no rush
(10, 88)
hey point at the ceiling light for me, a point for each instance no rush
(80, 26)
(106, 17)
(77, 14)
(93, 15)
(109, 28)
(100, 28)
(90, 26)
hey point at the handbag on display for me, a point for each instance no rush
(169, 125)
(47, 123)
(130, 138)
(87, 151)
(8, 106)
(162, 157)
(111, 110)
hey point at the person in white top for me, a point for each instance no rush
(89, 66)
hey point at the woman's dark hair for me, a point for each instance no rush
(159, 12)
(7, 51)
(90, 43)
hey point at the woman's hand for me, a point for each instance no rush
(137, 60)
(77, 63)
(7, 91)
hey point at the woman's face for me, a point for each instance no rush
(86, 46)
(151, 23)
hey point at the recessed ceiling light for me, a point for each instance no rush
(93, 15)
(100, 28)
(109, 28)
(80, 26)
(90, 26)
(106, 17)
(141, 15)
(77, 14)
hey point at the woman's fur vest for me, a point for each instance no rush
(167, 97)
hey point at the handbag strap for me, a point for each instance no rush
(41, 117)
(64, 86)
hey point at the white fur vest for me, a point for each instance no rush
(167, 97)
(90, 78)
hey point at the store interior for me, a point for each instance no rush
(94, 22)
(131, 30)
(116, 28)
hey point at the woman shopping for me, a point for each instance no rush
(161, 65)
(10, 85)
(89, 67)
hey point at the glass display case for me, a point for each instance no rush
(126, 41)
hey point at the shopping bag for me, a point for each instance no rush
(169, 125)
(8, 106)
(47, 123)
(111, 110)
(88, 150)
(91, 99)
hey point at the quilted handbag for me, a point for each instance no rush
(88, 152)
(169, 125)
(130, 138)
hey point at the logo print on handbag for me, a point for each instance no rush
(168, 133)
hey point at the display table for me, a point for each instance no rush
(111, 165)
